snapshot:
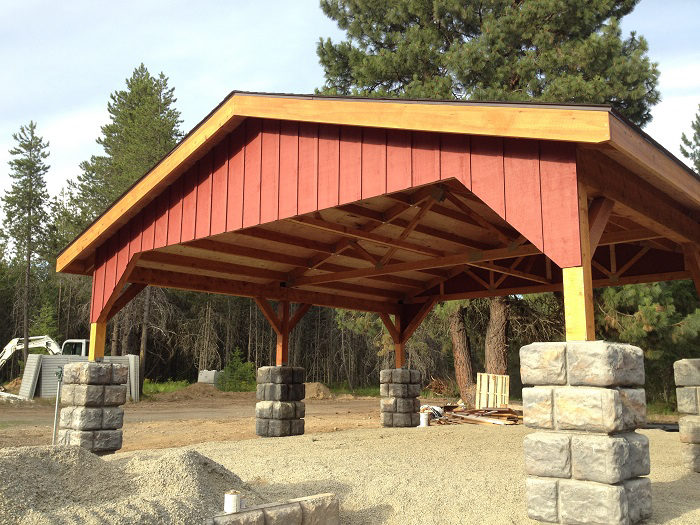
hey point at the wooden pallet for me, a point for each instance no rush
(492, 390)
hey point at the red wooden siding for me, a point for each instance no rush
(267, 170)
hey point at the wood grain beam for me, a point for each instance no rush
(598, 215)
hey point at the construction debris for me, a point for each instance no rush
(456, 415)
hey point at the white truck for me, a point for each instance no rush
(69, 347)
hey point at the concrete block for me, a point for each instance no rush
(300, 409)
(609, 459)
(401, 375)
(65, 417)
(598, 409)
(263, 374)
(67, 394)
(416, 377)
(691, 454)
(403, 420)
(299, 374)
(262, 427)
(398, 390)
(283, 410)
(115, 395)
(296, 427)
(543, 364)
(260, 391)
(283, 514)
(600, 363)
(63, 437)
(278, 427)
(638, 494)
(547, 454)
(537, 407)
(281, 375)
(687, 372)
(112, 418)
(585, 502)
(321, 509)
(82, 438)
(415, 419)
(88, 395)
(406, 404)
(413, 390)
(86, 418)
(689, 429)
(86, 373)
(386, 419)
(688, 400)
(120, 374)
(385, 375)
(276, 392)
(263, 409)
(245, 517)
(208, 376)
(388, 404)
(297, 392)
(542, 499)
(384, 389)
(107, 440)
(71, 374)
(634, 407)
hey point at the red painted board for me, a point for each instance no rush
(236, 162)
(373, 162)
(161, 235)
(350, 188)
(175, 212)
(270, 171)
(123, 252)
(251, 183)
(328, 165)
(455, 158)
(398, 160)
(203, 221)
(219, 187)
(521, 164)
(560, 220)
(308, 168)
(98, 281)
(149, 226)
(189, 204)
(110, 268)
(289, 169)
(425, 158)
(487, 172)
(136, 225)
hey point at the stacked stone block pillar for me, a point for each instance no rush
(92, 417)
(687, 374)
(280, 408)
(585, 464)
(399, 389)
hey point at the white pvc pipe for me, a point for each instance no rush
(232, 502)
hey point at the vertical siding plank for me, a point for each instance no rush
(98, 279)
(373, 162)
(350, 189)
(161, 235)
(110, 268)
(234, 206)
(123, 251)
(488, 182)
(328, 165)
(307, 197)
(289, 169)
(251, 182)
(398, 160)
(522, 188)
(219, 189)
(175, 212)
(149, 226)
(270, 169)
(189, 204)
(455, 158)
(560, 220)
(425, 158)
(203, 221)
(136, 225)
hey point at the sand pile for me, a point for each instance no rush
(318, 391)
(70, 485)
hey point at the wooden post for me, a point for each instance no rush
(578, 283)
(403, 326)
(283, 334)
(98, 331)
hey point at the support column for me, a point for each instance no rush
(687, 375)
(98, 332)
(280, 409)
(585, 465)
(283, 335)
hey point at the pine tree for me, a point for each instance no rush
(690, 148)
(554, 50)
(24, 206)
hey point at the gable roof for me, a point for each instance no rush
(597, 126)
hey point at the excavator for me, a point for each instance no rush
(69, 347)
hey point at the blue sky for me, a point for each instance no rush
(61, 60)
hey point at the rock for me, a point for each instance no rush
(416, 378)
(689, 429)
(296, 427)
(585, 502)
(263, 374)
(406, 404)
(283, 410)
(299, 409)
(65, 417)
(278, 427)
(299, 374)
(543, 364)
(386, 419)
(281, 375)
(388, 404)
(537, 407)
(263, 409)
(67, 394)
(547, 454)
(245, 517)
(403, 420)
(413, 390)
(286, 514)
(634, 407)
(638, 494)
(262, 427)
(398, 390)
(687, 372)
(599, 363)
(542, 499)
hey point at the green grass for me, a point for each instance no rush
(150, 387)
(660, 407)
(343, 388)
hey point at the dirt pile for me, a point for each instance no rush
(70, 485)
(12, 387)
(318, 391)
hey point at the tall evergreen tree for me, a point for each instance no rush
(690, 147)
(25, 207)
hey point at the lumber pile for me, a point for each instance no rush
(482, 416)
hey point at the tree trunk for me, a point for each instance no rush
(125, 331)
(144, 337)
(25, 305)
(114, 343)
(461, 352)
(496, 346)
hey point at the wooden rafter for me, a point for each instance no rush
(598, 214)
(509, 271)
(422, 211)
(477, 218)
(124, 298)
(513, 266)
(623, 269)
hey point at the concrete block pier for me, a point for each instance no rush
(280, 409)
(687, 376)
(399, 389)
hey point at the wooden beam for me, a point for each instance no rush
(475, 217)
(509, 271)
(108, 310)
(124, 298)
(98, 332)
(513, 266)
(627, 236)
(269, 314)
(424, 209)
(631, 261)
(691, 257)
(282, 354)
(390, 327)
(598, 215)
(301, 310)
(411, 321)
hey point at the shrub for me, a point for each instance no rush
(237, 375)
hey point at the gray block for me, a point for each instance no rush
(88, 395)
(283, 410)
(403, 420)
(297, 392)
(65, 417)
(278, 427)
(639, 463)
(416, 377)
(401, 375)
(413, 390)
(260, 391)
(687, 372)
(542, 496)
(67, 394)
(594, 409)
(386, 419)
(585, 502)
(296, 427)
(388, 404)
(634, 407)
(276, 392)
(262, 427)
(208, 376)
(638, 494)
(406, 404)
(82, 438)
(543, 364)
(689, 429)
(321, 509)
(86, 418)
(415, 419)
(299, 374)
(599, 363)
(115, 395)
(385, 376)
(609, 459)
(547, 454)
(691, 454)
(120, 374)
(87, 373)
(63, 437)
(282, 375)
(107, 440)
(300, 409)
(688, 400)
(537, 407)
(71, 374)
(263, 409)
(398, 390)
(263, 374)
(384, 390)
(112, 418)
(245, 517)
(284, 514)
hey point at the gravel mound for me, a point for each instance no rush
(318, 391)
(42, 485)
